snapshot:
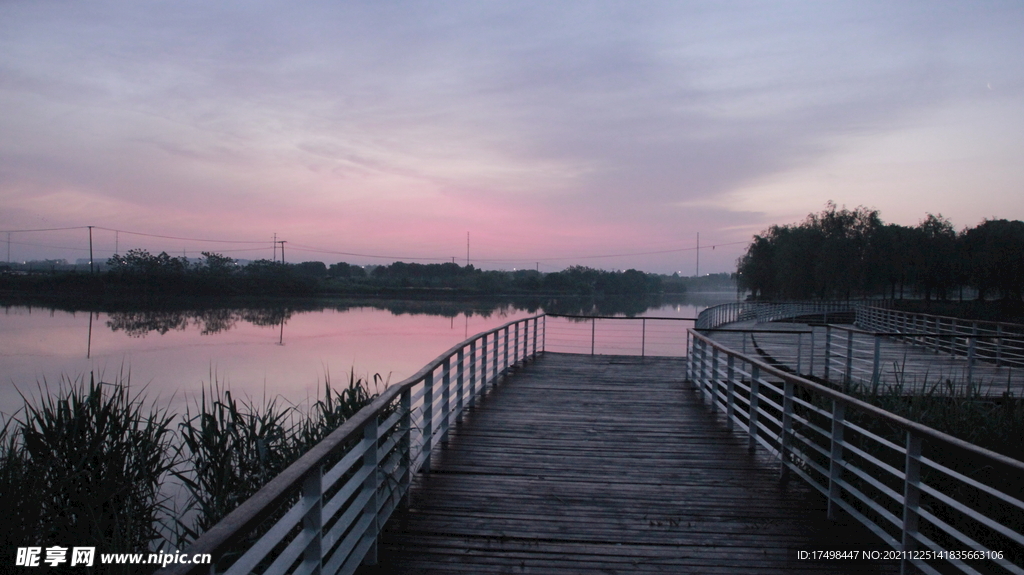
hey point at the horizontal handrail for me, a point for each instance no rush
(341, 506)
(729, 330)
(618, 335)
(832, 441)
(993, 324)
(1001, 343)
(764, 312)
(638, 317)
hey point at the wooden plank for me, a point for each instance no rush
(581, 464)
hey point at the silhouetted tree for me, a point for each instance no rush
(995, 255)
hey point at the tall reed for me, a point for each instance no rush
(83, 466)
(231, 447)
(86, 465)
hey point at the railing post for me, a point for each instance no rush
(953, 332)
(643, 336)
(459, 383)
(799, 352)
(446, 407)
(515, 345)
(810, 367)
(593, 328)
(544, 336)
(495, 373)
(876, 369)
(504, 370)
(755, 390)
(428, 418)
(691, 352)
(312, 494)
(999, 345)
(713, 381)
(911, 496)
(472, 372)
(405, 445)
(526, 340)
(849, 361)
(370, 462)
(835, 468)
(787, 427)
(703, 367)
(535, 324)
(972, 346)
(730, 390)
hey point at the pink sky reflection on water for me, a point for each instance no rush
(248, 359)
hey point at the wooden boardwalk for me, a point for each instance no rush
(915, 366)
(608, 464)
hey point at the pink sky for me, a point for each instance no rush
(552, 135)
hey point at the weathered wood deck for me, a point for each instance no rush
(606, 464)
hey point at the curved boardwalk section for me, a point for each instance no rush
(605, 464)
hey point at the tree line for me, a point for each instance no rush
(841, 253)
(141, 274)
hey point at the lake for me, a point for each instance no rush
(286, 350)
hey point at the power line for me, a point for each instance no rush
(43, 230)
(306, 248)
(200, 239)
(48, 246)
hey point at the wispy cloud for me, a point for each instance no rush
(557, 127)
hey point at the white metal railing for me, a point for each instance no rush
(791, 349)
(764, 312)
(767, 312)
(856, 356)
(994, 342)
(937, 501)
(328, 507)
(613, 335)
(721, 314)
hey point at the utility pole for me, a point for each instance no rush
(275, 247)
(90, 250)
(282, 250)
(117, 238)
(8, 247)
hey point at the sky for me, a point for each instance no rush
(606, 134)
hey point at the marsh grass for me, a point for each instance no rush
(231, 447)
(83, 465)
(88, 464)
(956, 408)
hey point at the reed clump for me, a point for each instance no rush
(84, 466)
(995, 423)
(232, 447)
(88, 464)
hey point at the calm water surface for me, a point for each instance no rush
(258, 352)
